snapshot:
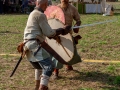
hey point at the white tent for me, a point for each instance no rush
(95, 6)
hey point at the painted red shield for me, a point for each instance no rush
(55, 12)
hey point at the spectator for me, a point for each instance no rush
(1, 6)
(20, 2)
(24, 5)
(12, 7)
(6, 6)
(49, 2)
(17, 2)
(31, 4)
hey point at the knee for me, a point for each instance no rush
(48, 71)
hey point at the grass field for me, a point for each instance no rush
(99, 42)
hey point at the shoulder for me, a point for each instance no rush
(35, 11)
(72, 7)
(59, 5)
(37, 14)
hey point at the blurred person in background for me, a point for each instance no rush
(24, 5)
(49, 2)
(6, 6)
(31, 5)
(1, 6)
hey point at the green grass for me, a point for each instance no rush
(117, 80)
(98, 42)
(11, 32)
(100, 39)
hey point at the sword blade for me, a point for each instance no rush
(87, 25)
(16, 66)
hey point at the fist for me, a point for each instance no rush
(66, 30)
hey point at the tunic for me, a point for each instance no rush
(71, 13)
(37, 26)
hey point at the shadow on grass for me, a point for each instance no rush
(100, 77)
(5, 32)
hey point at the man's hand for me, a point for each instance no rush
(76, 30)
(63, 31)
(76, 38)
(66, 30)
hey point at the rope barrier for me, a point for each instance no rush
(84, 60)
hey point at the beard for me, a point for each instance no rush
(64, 5)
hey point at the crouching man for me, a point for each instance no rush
(36, 30)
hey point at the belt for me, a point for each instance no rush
(38, 41)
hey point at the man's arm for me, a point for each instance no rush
(76, 17)
(49, 32)
(78, 23)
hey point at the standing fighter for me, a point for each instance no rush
(70, 13)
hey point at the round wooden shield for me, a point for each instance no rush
(55, 12)
(65, 48)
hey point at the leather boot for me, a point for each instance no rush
(37, 84)
(69, 67)
(55, 74)
(43, 87)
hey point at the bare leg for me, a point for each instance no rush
(55, 74)
(37, 78)
(69, 67)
